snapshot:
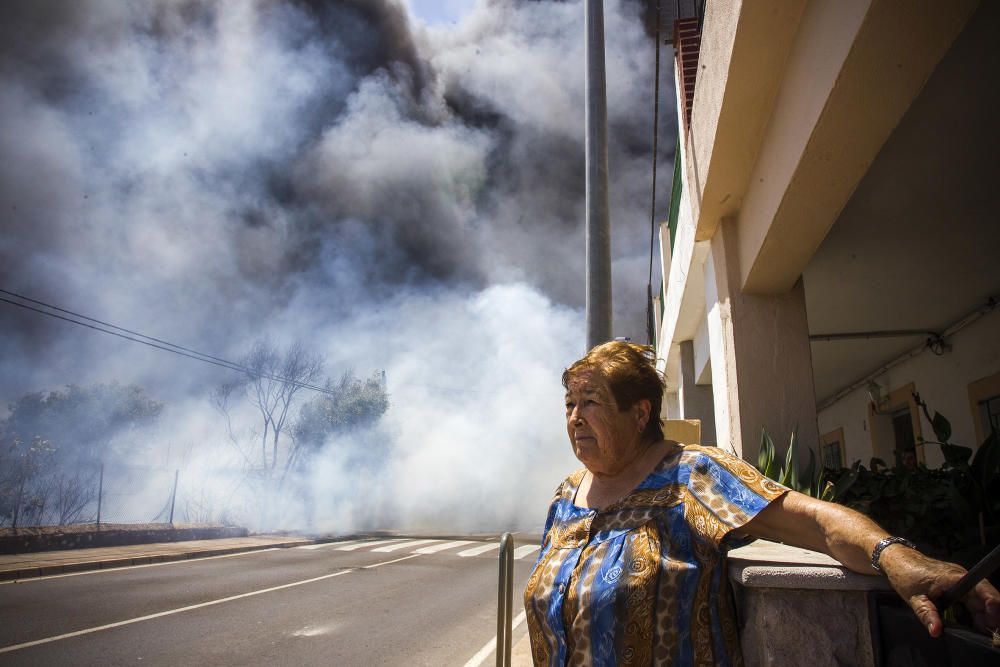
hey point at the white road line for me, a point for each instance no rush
(136, 567)
(521, 552)
(491, 645)
(370, 543)
(475, 551)
(148, 617)
(441, 547)
(404, 545)
(324, 545)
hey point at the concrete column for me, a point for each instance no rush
(761, 361)
(696, 401)
(671, 408)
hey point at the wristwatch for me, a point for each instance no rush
(882, 544)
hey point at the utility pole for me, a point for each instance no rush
(598, 215)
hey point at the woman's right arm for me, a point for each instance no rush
(850, 537)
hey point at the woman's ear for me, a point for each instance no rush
(642, 408)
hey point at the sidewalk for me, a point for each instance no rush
(520, 655)
(44, 563)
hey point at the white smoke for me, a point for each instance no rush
(398, 196)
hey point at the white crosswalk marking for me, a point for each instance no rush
(441, 547)
(325, 545)
(371, 543)
(433, 546)
(521, 552)
(404, 545)
(475, 551)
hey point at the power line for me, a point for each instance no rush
(157, 343)
(167, 346)
(650, 316)
(128, 331)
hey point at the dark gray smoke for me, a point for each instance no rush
(398, 196)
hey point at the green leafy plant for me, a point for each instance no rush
(951, 512)
(973, 479)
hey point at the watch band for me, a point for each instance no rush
(881, 546)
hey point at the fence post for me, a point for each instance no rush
(173, 496)
(505, 599)
(100, 496)
(17, 505)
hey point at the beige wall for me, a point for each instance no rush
(793, 101)
(761, 363)
(743, 52)
(941, 381)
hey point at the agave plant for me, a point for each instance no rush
(810, 483)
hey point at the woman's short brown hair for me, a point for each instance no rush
(630, 371)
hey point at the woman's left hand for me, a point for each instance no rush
(919, 580)
(849, 537)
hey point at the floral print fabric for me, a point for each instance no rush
(643, 581)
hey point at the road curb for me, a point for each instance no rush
(145, 559)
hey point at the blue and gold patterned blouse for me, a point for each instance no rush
(643, 581)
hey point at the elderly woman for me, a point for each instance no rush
(632, 565)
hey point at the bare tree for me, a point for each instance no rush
(72, 496)
(222, 399)
(272, 383)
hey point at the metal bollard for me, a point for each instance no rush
(505, 599)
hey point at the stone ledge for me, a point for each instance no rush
(57, 538)
(764, 564)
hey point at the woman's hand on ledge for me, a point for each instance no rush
(850, 537)
(918, 579)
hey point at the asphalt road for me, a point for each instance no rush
(368, 602)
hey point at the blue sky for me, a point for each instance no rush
(441, 11)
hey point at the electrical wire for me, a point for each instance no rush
(166, 346)
(128, 331)
(157, 343)
(650, 317)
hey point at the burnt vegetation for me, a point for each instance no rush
(59, 448)
(52, 446)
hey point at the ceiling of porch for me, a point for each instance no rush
(918, 244)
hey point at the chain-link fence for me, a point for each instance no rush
(98, 493)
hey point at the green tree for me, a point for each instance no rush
(53, 442)
(80, 422)
(349, 404)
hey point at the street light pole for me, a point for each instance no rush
(598, 215)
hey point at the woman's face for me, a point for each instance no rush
(604, 438)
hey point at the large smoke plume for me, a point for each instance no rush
(398, 196)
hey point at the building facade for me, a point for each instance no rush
(833, 254)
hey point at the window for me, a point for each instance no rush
(989, 413)
(894, 426)
(831, 448)
(906, 444)
(984, 400)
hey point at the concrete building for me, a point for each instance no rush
(833, 245)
